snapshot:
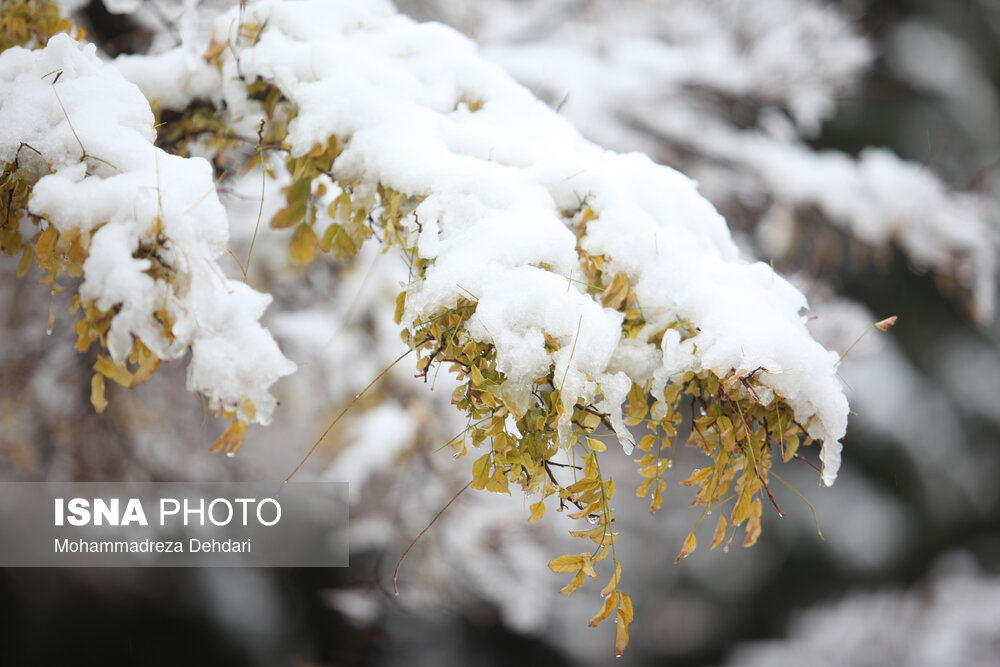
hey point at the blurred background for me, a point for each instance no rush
(854, 145)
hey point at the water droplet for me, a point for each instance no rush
(593, 520)
(230, 454)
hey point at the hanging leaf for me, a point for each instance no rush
(613, 584)
(720, 532)
(574, 583)
(567, 563)
(689, 545)
(304, 244)
(610, 602)
(97, 393)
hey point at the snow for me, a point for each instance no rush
(495, 183)
(105, 177)
(709, 86)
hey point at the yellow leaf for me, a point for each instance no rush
(647, 442)
(46, 244)
(97, 393)
(590, 466)
(689, 545)
(650, 471)
(303, 245)
(574, 583)
(596, 445)
(590, 421)
(232, 438)
(481, 471)
(698, 477)
(648, 459)
(400, 304)
(109, 369)
(657, 501)
(720, 532)
(288, 216)
(613, 584)
(637, 407)
(753, 525)
(588, 565)
(610, 602)
(340, 208)
(537, 511)
(25, 264)
(567, 563)
(498, 483)
(596, 533)
(791, 447)
(592, 508)
(621, 636)
(625, 608)
(643, 489)
(616, 294)
(742, 509)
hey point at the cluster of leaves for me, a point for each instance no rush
(521, 447)
(30, 23)
(61, 255)
(733, 426)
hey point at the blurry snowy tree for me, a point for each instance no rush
(557, 281)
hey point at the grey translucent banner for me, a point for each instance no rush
(173, 524)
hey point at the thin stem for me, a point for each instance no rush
(395, 573)
(338, 418)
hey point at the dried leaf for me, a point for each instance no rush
(537, 511)
(753, 525)
(621, 635)
(610, 602)
(232, 438)
(720, 532)
(400, 305)
(596, 533)
(886, 324)
(616, 294)
(613, 584)
(567, 563)
(657, 501)
(689, 546)
(109, 369)
(698, 477)
(574, 583)
(97, 393)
